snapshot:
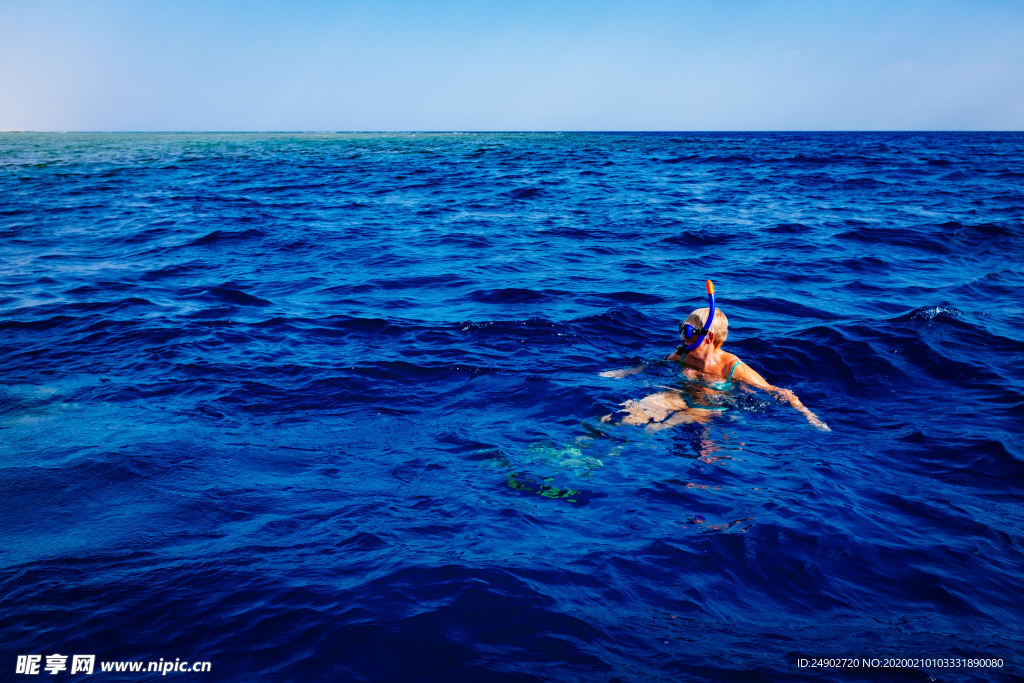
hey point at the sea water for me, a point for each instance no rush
(326, 407)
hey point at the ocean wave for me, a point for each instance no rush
(226, 237)
(930, 314)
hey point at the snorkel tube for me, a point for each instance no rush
(687, 330)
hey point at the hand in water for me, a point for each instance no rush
(813, 419)
(792, 399)
(619, 374)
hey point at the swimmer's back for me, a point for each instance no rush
(723, 373)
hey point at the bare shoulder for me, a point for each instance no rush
(745, 373)
(730, 359)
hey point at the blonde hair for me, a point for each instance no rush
(719, 326)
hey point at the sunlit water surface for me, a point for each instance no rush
(327, 407)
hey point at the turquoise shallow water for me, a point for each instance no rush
(326, 407)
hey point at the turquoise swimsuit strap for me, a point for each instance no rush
(729, 378)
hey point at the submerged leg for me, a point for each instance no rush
(659, 411)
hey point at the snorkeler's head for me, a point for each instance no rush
(719, 326)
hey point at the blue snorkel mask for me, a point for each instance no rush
(686, 330)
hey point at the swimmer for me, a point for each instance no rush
(703, 333)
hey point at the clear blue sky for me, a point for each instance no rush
(512, 65)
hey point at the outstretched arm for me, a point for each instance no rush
(744, 373)
(624, 372)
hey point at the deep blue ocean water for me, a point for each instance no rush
(326, 407)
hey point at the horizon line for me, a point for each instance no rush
(493, 132)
